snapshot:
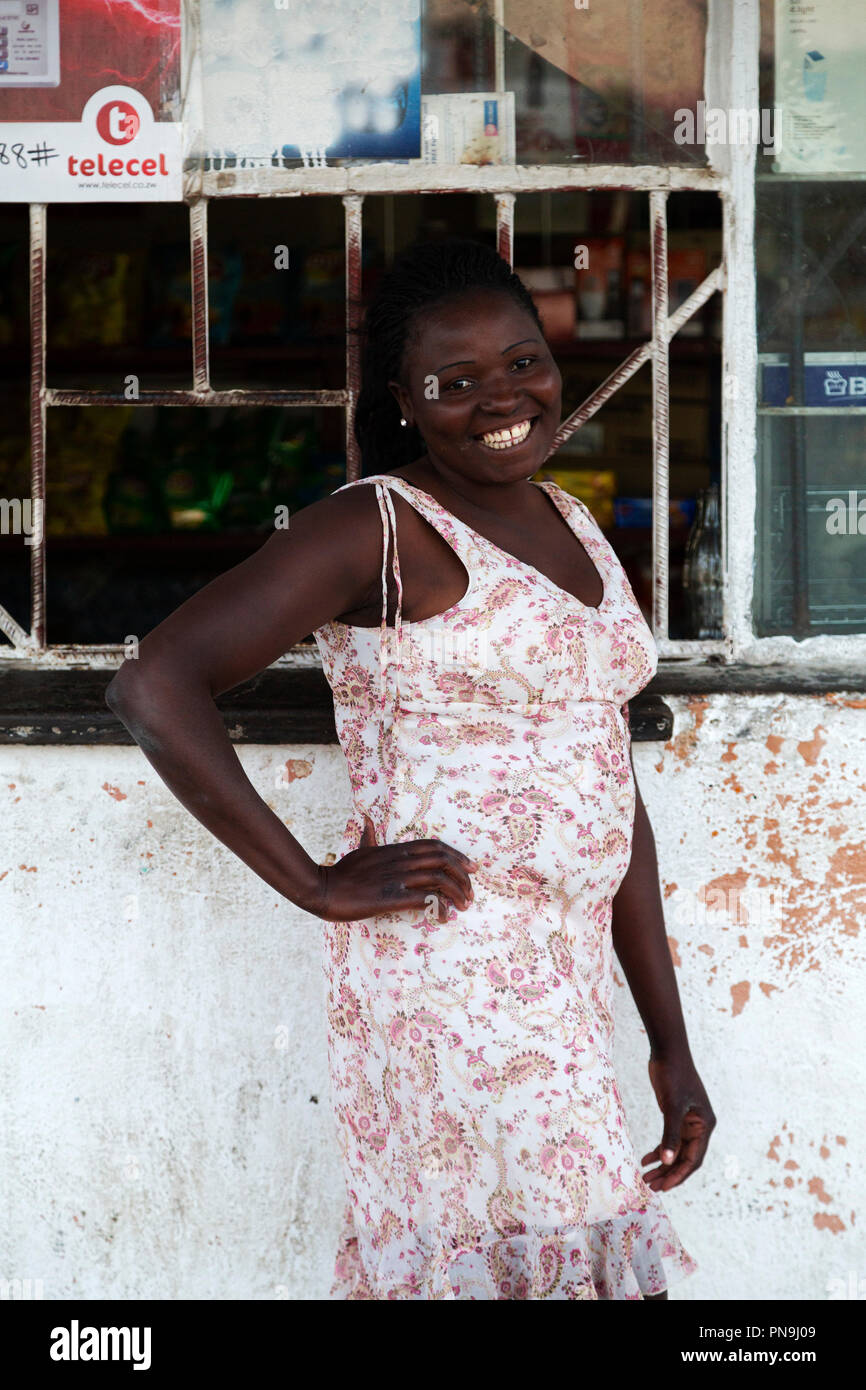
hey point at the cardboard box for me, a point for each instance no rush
(598, 280)
(686, 269)
(552, 288)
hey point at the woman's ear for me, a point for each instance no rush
(401, 396)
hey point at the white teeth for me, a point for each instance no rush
(507, 439)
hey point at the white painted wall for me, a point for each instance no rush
(163, 1021)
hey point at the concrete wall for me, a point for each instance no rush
(165, 1123)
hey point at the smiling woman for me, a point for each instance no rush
(484, 1143)
(497, 851)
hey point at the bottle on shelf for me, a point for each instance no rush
(702, 567)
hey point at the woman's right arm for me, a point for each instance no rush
(327, 562)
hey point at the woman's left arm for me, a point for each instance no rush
(641, 945)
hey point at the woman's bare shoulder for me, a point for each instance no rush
(347, 518)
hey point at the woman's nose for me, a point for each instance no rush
(500, 396)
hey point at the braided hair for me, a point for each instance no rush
(426, 273)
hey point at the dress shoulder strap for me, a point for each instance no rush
(586, 528)
(458, 535)
(389, 529)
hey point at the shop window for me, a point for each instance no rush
(199, 368)
(810, 260)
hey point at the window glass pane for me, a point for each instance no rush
(810, 256)
(453, 81)
(147, 504)
(598, 83)
(118, 297)
(277, 293)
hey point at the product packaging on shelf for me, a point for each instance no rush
(596, 488)
(467, 128)
(598, 282)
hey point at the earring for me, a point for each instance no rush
(402, 421)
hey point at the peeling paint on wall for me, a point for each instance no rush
(166, 1014)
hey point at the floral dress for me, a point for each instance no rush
(484, 1144)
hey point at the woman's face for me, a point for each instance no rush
(482, 387)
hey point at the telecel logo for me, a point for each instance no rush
(118, 122)
(118, 138)
(102, 1344)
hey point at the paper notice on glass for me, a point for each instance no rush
(467, 128)
(316, 80)
(820, 57)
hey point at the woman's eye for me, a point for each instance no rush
(455, 384)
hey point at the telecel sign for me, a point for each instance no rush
(115, 153)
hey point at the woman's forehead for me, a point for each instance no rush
(463, 313)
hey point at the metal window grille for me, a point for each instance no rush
(504, 184)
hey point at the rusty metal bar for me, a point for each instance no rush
(272, 182)
(353, 206)
(198, 270)
(14, 631)
(661, 414)
(237, 396)
(23, 641)
(505, 226)
(38, 235)
(16, 634)
(699, 296)
(86, 657)
(728, 602)
(611, 384)
(696, 300)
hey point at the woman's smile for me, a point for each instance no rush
(510, 437)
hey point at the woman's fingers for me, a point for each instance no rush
(417, 874)
(668, 1175)
(432, 857)
(431, 851)
(442, 880)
